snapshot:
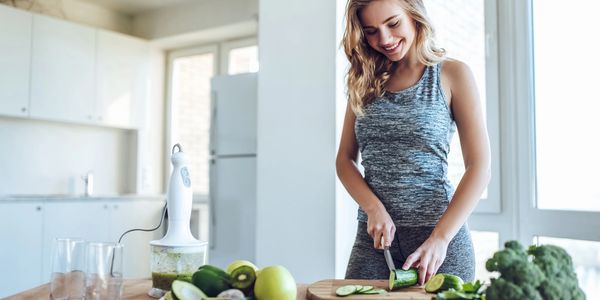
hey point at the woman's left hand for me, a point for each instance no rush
(428, 258)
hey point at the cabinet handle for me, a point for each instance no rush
(105, 206)
(116, 206)
(24, 109)
(38, 208)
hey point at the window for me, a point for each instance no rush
(465, 29)
(551, 125)
(191, 72)
(485, 244)
(243, 60)
(239, 56)
(566, 105)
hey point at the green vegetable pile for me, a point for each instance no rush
(540, 272)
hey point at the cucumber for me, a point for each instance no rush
(211, 280)
(186, 291)
(243, 278)
(345, 290)
(443, 282)
(400, 278)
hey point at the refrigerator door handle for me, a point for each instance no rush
(212, 241)
(213, 122)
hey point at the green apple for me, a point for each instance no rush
(275, 283)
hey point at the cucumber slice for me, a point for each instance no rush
(186, 291)
(374, 291)
(345, 290)
(366, 288)
(435, 283)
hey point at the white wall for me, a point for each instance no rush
(39, 157)
(346, 207)
(192, 17)
(82, 13)
(297, 137)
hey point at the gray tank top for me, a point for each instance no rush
(404, 139)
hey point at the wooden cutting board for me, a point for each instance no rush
(325, 290)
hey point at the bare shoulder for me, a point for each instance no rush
(456, 71)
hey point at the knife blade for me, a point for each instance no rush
(388, 259)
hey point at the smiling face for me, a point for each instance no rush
(388, 28)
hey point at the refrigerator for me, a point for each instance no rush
(232, 182)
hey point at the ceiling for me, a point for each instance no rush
(132, 7)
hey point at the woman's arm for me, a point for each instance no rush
(475, 146)
(380, 225)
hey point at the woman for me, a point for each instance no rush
(405, 101)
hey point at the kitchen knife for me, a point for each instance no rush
(388, 259)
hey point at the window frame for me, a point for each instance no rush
(493, 202)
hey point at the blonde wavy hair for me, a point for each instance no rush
(370, 70)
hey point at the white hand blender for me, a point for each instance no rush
(178, 254)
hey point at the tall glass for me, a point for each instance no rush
(68, 261)
(104, 279)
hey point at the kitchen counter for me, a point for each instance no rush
(134, 289)
(71, 197)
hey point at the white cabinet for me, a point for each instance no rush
(62, 70)
(136, 244)
(20, 254)
(121, 77)
(15, 55)
(53, 69)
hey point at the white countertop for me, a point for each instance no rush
(71, 197)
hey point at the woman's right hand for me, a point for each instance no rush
(381, 228)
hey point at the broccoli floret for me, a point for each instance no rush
(542, 272)
(561, 279)
(501, 289)
(553, 260)
(513, 263)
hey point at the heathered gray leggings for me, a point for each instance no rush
(367, 262)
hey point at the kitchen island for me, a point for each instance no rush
(134, 289)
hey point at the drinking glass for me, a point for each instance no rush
(104, 280)
(68, 277)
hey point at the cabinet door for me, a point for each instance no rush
(129, 214)
(15, 58)
(87, 219)
(21, 254)
(121, 79)
(62, 77)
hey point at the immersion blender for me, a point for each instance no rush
(178, 254)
